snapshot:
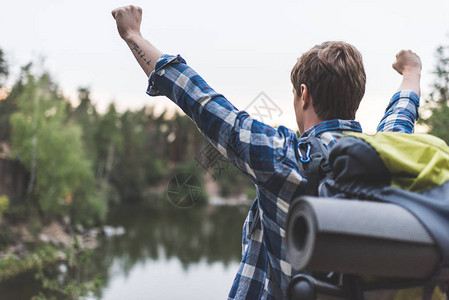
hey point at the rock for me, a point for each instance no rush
(63, 268)
(55, 234)
(94, 232)
(66, 220)
(20, 250)
(79, 228)
(87, 242)
(26, 235)
(112, 231)
(44, 238)
(61, 256)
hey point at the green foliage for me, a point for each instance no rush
(233, 182)
(129, 174)
(440, 93)
(4, 204)
(438, 121)
(89, 208)
(9, 105)
(4, 71)
(5, 238)
(71, 287)
(86, 116)
(156, 170)
(52, 150)
(141, 156)
(13, 265)
(191, 168)
(108, 142)
(251, 192)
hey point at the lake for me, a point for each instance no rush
(170, 253)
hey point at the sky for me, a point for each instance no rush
(241, 48)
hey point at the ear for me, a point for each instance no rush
(306, 99)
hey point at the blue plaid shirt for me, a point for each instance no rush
(268, 156)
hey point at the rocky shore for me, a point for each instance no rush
(26, 251)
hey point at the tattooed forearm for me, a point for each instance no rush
(145, 53)
(140, 54)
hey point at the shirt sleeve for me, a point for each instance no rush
(401, 113)
(254, 147)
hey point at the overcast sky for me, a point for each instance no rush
(240, 47)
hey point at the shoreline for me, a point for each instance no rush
(51, 245)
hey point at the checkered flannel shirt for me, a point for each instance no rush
(267, 155)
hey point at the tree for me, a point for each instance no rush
(108, 142)
(129, 174)
(3, 68)
(438, 121)
(85, 115)
(9, 104)
(61, 176)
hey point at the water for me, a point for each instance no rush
(166, 254)
(166, 279)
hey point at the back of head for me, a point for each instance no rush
(335, 77)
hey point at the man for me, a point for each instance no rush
(328, 84)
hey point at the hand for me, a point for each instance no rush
(128, 20)
(407, 62)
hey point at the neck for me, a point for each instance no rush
(309, 122)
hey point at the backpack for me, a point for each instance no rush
(406, 173)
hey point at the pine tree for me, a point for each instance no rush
(4, 71)
(438, 121)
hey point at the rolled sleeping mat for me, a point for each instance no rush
(358, 237)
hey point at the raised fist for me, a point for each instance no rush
(407, 61)
(128, 20)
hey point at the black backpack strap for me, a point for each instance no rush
(313, 158)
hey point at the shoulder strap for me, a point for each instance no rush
(313, 158)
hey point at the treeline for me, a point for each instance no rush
(437, 104)
(80, 161)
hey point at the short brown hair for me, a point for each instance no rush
(335, 77)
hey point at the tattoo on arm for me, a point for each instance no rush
(140, 53)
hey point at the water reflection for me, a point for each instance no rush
(212, 233)
(167, 279)
(165, 249)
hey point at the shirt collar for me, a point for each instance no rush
(332, 125)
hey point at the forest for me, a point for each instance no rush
(66, 161)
